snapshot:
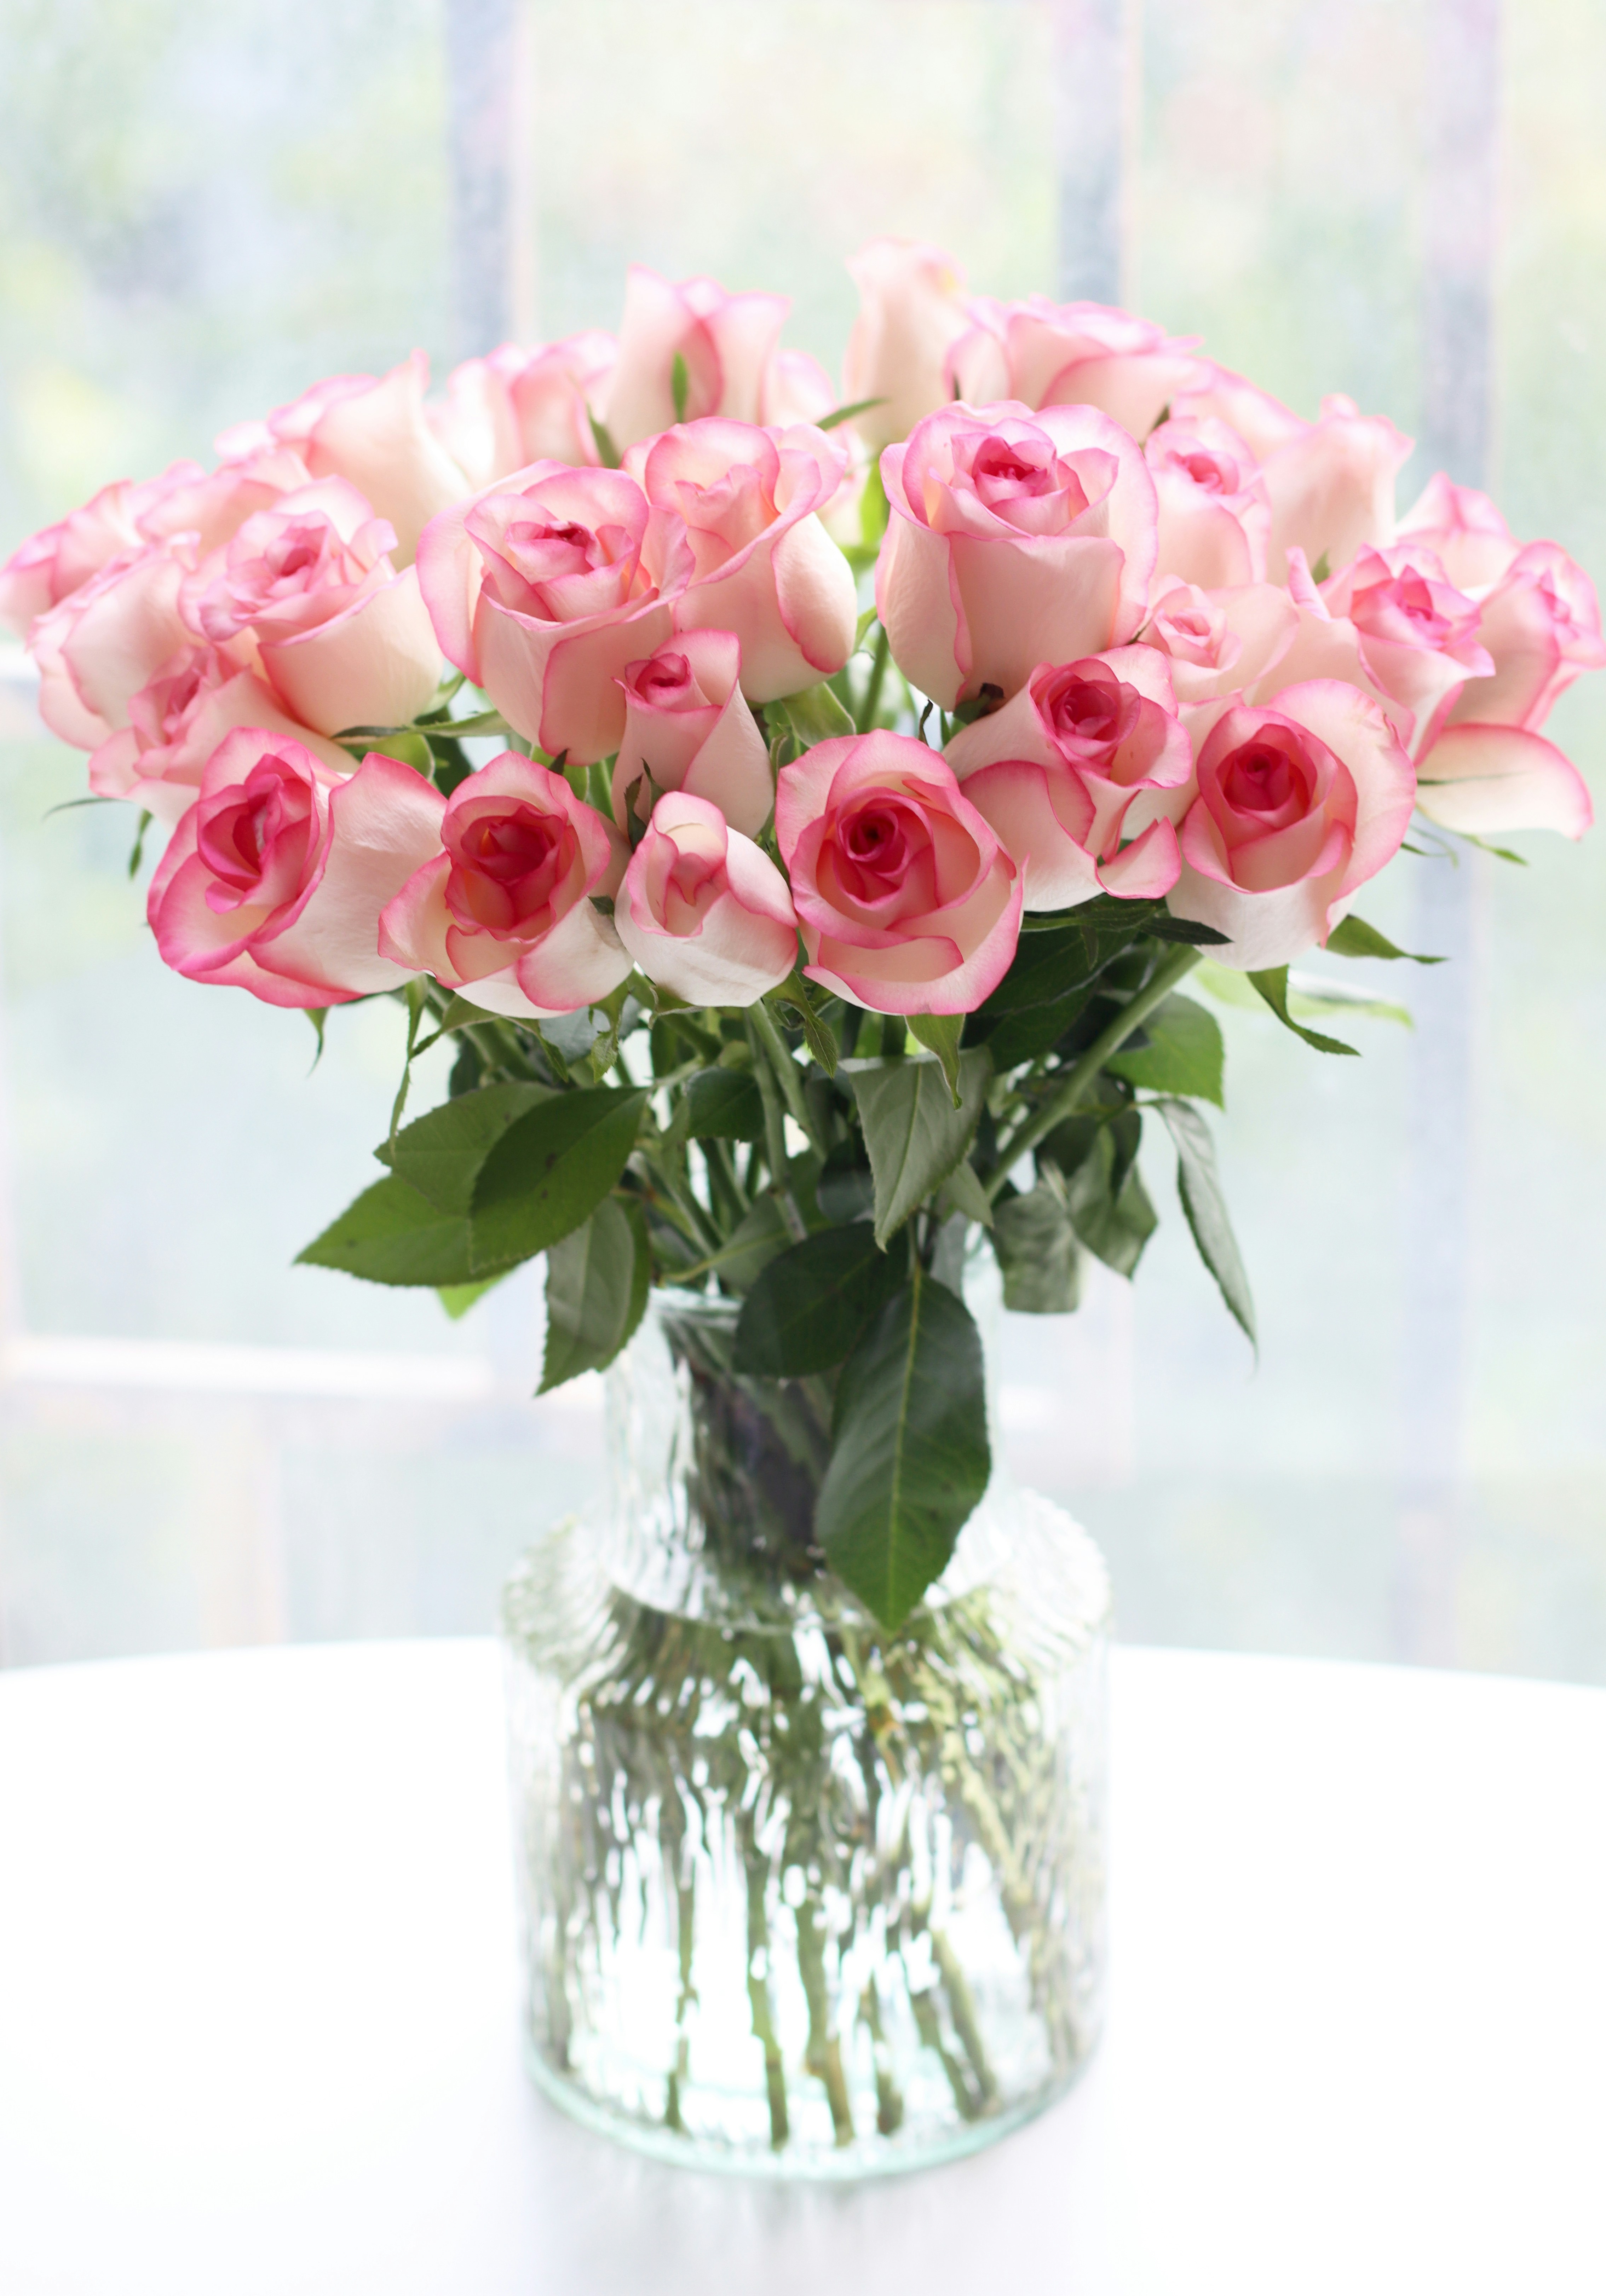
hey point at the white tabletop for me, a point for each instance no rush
(258, 2008)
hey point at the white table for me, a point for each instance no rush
(258, 2008)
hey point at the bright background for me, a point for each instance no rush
(203, 209)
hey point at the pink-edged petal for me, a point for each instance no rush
(918, 600)
(377, 664)
(1488, 780)
(1012, 797)
(384, 824)
(1146, 869)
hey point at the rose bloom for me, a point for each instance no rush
(371, 430)
(176, 720)
(763, 564)
(1080, 758)
(906, 899)
(544, 587)
(911, 310)
(60, 559)
(1218, 641)
(1215, 520)
(1013, 539)
(687, 726)
(1417, 634)
(517, 406)
(107, 638)
(344, 640)
(1264, 422)
(275, 879)
(1044, 354)
(725, 343)
(702, 911)
(1298, 804)
(1331, 488)
(503, 910)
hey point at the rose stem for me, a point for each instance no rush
(786, 1074)
(889, 2104)
(758, 1985)
(824, 2055)
(963, 2010)
(877, 678)
(775, 1134)
(1062, 1103)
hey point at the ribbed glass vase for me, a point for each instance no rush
(800, 1897)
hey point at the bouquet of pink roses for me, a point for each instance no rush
(870, 769)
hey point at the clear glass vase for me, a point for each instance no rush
(800, 1897)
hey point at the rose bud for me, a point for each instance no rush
(344, 640)
(763, 564)
(503, 911)
(1263, 423)
(724, 343)
(1218, 641)
(911, 310)
(1298, 804)
(1417, 634)
(543, 589)
(1013, 539)
(518, 407)
(1081, 757)
(60, 559)
(274, 878)
(179, 718)
(704, 912)
(1331, 488)
(1214, 517)
(906, 899)
(1464, 530)
(687, 726)
(1043, 354)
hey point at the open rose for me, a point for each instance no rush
(545, 587)
(1464, 530)
(60, 559)
(515, 407)
(1417, 634)
(372, 430)
(502, 910)
(1298, 804)
(1331, 488)
(178, 719)
(724, 343)
(274, 878)
(906, 899)
(107, 638)
(1219, 641)
(702, 910)
(1214, 520)
(344, 640)
(763, 564)
(1045, 354)
(1014, 538)
(1081, 757)
(911, 309)
(687, 726)
(1264, 422)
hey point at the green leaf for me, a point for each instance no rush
(846, 414)
(138, 852)
(1311, 995)
(442, 1153)
(1184, 1053)
(913, 1133)
(1353, 937)
(1273, 986)
(1199, 1187)
(596, 1285)
(724, 1104)
(1107, 1202)
(318, 1016)
(814, 715)
(407, 749)
(961, 1192)
(846, 1190)
(605, 447)
(680, 384)
(910, 1458)
(940, 1033)
(873, 511)
(1045, 967)
(821, 1043)
(809, 1305)
(759, 1236)
(1035, 1247)
(457, 1298)
(391, 1234)
(549, 1171)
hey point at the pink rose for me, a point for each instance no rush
(502, 910)
(906, 899)
(212, 507)
(911, 310)
(1417, 634)
(1215, 518)
(274, 878)
(1219, 641)
(703, 911)
(371, 430)
(106, 639)
(178, 719)
(543, 589)
(1298, 805)
(1044, 354)
(344, 640)
(1486, 781)
(518, 407)
(1331, 488)
(54, 564)
(1079, 758)
(1014, 539)
(1541, 623)
(1264, 422)
(1464, 530)
(687, 726)
(725, 343)
(763, 565)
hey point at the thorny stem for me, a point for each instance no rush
(1080, 1075)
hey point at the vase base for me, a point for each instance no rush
(857, 2163)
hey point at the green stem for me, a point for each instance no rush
(788, 1073)
(1080, 1075)
(877, 679)
(775, 1133)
